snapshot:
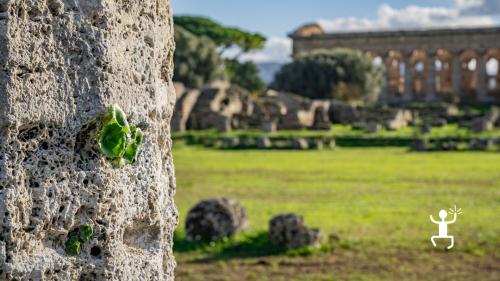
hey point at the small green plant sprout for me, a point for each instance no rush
(77, 238)
(118, 140)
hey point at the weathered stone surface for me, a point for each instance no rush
(228, 143)
(62, 63)
(316, 143)
(482, 144)
(399, 119)
(299, 112)
(215, 107)
(215, 219)
(373, 127)
(426, 128)
(266, 113)
(331, 143)
(299, 143)
(438, 122)
(447, 145)
(183, 108)
(486, 122)
(288, 230)
(263, 143)
(321, 119)
(420, 144)
(343, 113)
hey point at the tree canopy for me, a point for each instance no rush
(325, 74)
(196, 59)
(222, 36)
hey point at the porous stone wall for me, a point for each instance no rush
(62, 63)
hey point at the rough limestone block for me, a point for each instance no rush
(215, 219)
(288, 230)
(62, 63)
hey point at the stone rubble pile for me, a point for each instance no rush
(224, 107)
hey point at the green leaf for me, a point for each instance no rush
(117, 139)
(133, 148)
(86, 233)
(113, 140)
(120, 116)
(72, 245)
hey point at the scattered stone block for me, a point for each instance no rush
(288, 230)
(316, 144)
(482, 144)
(331, 143)
(420, 144)
(299, 143)
(399, 119)
(426, 128)
(373, 127)
(438, 122)
(447, 145)
(215, 219)
(264, 143)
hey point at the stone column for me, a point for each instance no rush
(408, 92)
(62, 64)
(385, 95)
(456, 76)
(482, 87)
(431, 76)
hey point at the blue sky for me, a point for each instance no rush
(280, 17)
(277, 18)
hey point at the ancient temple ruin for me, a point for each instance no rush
(422, 65)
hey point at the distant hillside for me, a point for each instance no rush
(268, 70)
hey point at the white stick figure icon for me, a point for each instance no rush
(443, 226)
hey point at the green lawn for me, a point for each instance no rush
(377, 200)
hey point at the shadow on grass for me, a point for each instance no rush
(245, 246)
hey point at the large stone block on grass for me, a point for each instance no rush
(288, 230)
(215, 219)
(62, 64)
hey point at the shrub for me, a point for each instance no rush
(340, 74)
(245, 75)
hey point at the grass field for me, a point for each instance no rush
(377, 200)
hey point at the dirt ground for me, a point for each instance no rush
(346, 265)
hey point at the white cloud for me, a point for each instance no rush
(465, 13)
(277, 49)
(467, 4)
(478, 7)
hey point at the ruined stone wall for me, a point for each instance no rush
(62, 63)
(454, 40)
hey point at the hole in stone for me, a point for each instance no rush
(28, 134)
(34, 183)
(95, 251)
(44, 145)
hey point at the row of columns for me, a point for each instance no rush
(430, 92)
